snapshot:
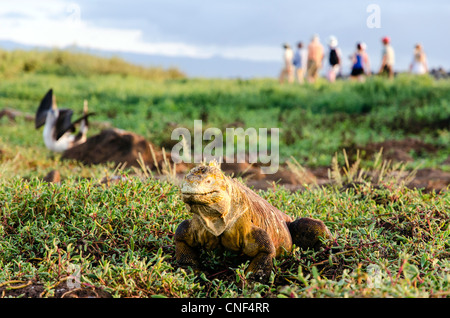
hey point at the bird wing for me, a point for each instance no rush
(63, 123)
(46, 104)
(85, 117)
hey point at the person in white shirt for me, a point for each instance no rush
(388, 60)
(334, 59)
(419, 64)
(287, 73)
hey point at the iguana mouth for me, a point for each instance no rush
(199, 193)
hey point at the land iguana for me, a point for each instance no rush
(227, 214)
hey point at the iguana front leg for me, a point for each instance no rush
(190, 238)
(259, 246)
(185, 252)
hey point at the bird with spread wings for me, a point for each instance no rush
(59, 129)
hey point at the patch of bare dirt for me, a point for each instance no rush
(392, 150)
(117, 146)
(431, 179)
(113, 145)
(37, 290)
(400, 150)
(426, 179)
(12, 114)
(447, 161)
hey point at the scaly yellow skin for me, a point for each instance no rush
(225, 213)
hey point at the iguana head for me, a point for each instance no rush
(204, 185)
(207, 192)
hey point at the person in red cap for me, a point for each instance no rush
(388, 59)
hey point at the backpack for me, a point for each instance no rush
(297, 59)
(334, 58)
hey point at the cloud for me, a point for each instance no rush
(244, 30)
(60, 24)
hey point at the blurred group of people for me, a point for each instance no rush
(306, 63)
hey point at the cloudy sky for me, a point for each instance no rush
(234, 30)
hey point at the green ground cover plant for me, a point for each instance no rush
(119, 238)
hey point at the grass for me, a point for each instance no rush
(119, 237)
(315, 121)
(71, 62)
(116, 239)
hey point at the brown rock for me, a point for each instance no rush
(53, 176)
